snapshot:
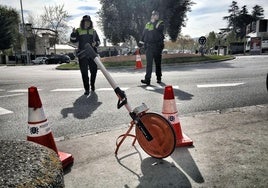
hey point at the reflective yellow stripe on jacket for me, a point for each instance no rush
(150, 26)
(85, 31)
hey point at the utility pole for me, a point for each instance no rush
(24, 33)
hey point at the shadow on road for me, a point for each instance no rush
(181, 95)
(83, 107)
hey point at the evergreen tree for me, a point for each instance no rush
(9, 21)
(121, 19)
(243, 19)
(212, 40)
(5, 33)
(232, 18)
(239, 19)
(257, 13)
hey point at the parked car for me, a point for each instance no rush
(39, 60)
(58, 59)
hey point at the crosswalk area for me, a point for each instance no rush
(18, 92)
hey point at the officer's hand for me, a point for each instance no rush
(140, 44)
(94, 44)
(153, 20)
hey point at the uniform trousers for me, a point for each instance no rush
(153, 54)
(85, 64)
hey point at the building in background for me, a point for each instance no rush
(257, 37)
(62, 49)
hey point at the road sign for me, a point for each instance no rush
(202, 40)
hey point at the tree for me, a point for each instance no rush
(239, 19)
(212, 40)
(185, 43)
(175, 16)
(36, 22)
(182, 43)
(5, 33)
(257, 13)
(9, 33)
(55, 18)
(232, 18)
(122, 19)
(243, 19)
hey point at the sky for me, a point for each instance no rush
(205, 15)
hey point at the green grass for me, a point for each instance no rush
(169, 61)
(68, 66)
(194, 59)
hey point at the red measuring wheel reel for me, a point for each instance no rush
(153, 131)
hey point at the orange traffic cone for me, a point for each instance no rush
(38, 128)
(138, 60)
(170, 112)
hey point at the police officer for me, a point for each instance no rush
(83, 35)
(153, 41)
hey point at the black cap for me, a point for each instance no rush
(86, 17)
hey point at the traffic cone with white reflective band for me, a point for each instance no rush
(170, 112)
(39, 130)
(138, 60)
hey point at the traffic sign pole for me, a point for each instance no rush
(202, 41)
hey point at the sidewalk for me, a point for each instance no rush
(230, 150)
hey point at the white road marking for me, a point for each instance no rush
(152, 88)
(12, 95)
(67, 89)
(220, 85)
(175, 87)
(105, 89)
(20, 90)
(80, 89)
(4, 111)
(111, 89)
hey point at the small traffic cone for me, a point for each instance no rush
(38, 128)
(170, 112)
(138, 60)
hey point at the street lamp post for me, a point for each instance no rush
(24, 33)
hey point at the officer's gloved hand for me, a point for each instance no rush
(74, 30)
(153, 20)
(140, 44)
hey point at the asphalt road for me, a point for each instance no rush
(198, 88)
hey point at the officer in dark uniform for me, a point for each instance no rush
(86, 34)
(153, 41)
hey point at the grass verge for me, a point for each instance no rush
(167, 60)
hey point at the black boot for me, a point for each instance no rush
(158, 80)
(147, 82)
(86, 92)
(92, 87)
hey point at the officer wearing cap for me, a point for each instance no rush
(83, 35)
(153, 41)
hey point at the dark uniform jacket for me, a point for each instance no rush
(153, 33)
(83, 36)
